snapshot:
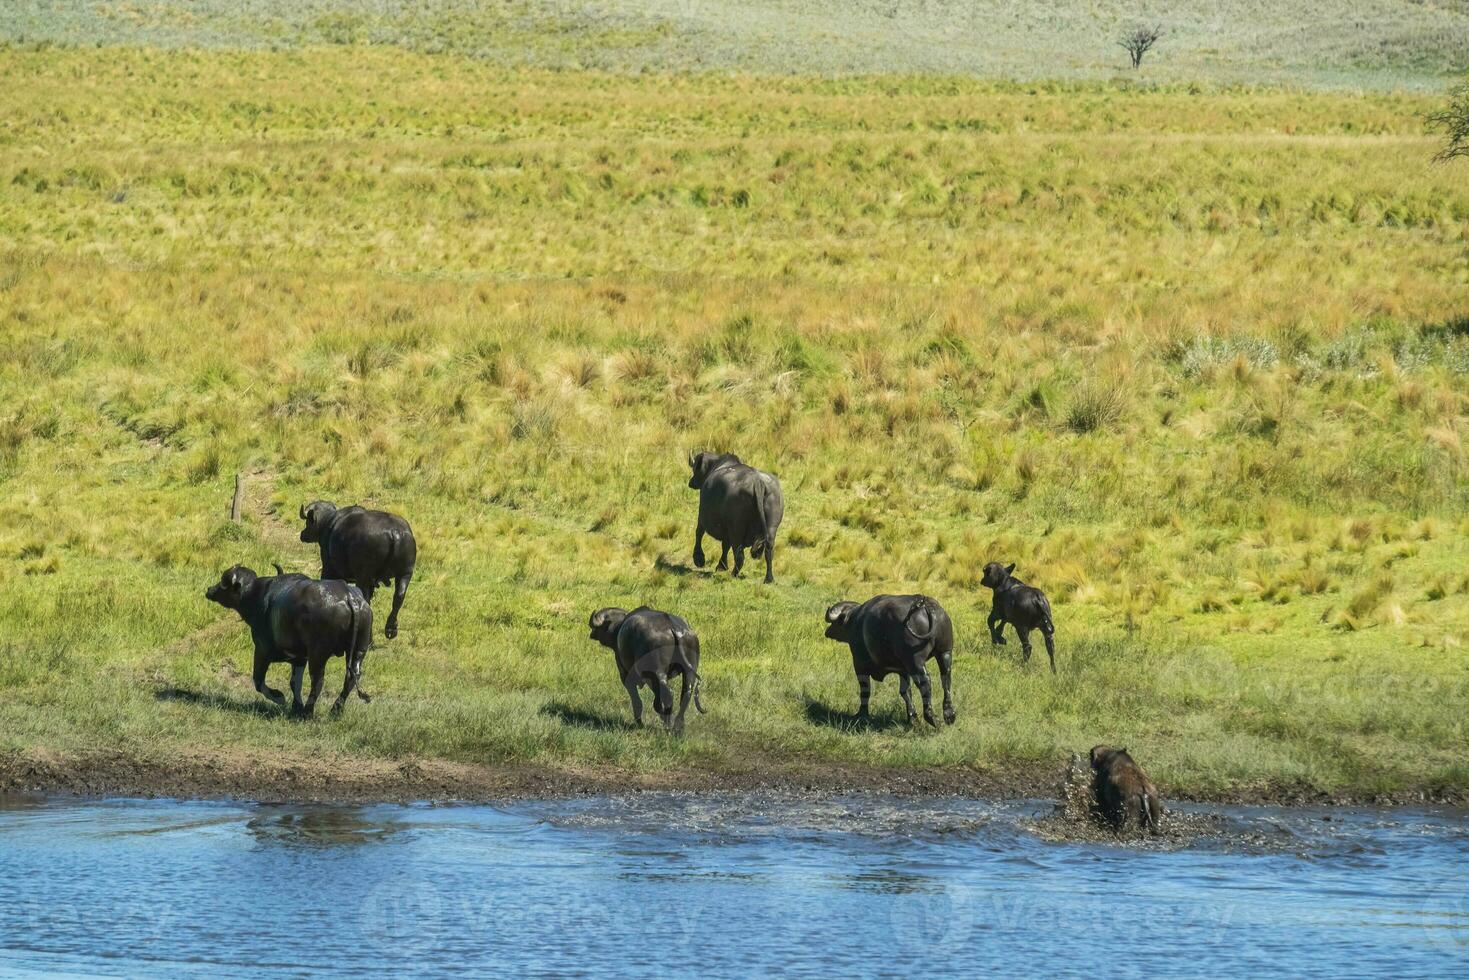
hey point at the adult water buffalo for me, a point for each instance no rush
(365, 547)
(1022, 606)
(1124, 792)
(302, 621)
(897, 634)
(650, 646)
(739, 506)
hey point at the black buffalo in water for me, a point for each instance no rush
(1022, 606)
(1124, 792)
(739, 506)
(897, 634)
(365, 547)
(650, 646)
(302, 621)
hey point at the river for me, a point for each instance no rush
(724, 885)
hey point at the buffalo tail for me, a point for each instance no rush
(691, 676)
(922, 603)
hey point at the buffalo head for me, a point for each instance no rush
(604, 625)
(996, 575)
(1103, 754)
(839, 619)
(233, 584)
(703, 464)
(317, 515)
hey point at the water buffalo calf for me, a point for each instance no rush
(1124, 792)
(365, 547)
(650, 646)
(739, 506)
(302, 621)
(897, 634)
(1022, 606)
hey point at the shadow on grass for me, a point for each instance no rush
(579, 718)
(219, 702)
(665, 564)
(821, 713)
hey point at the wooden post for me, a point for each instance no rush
(239, 497)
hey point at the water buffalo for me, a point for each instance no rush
(302, 621)
(897, 634)
(1124, 792)
(739, 506)
(365, 547)
(649, 646)
(1022, 606)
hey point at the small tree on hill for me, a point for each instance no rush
(1453, 121)
(1137, 41)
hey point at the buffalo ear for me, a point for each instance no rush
(1010, 569)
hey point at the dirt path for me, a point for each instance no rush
(225, 775)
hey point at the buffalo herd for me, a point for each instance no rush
(305, 622)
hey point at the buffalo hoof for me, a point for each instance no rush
(999, 641)
(391, 631)
(932, 721)
(698, 559)
(336, 707)
(912, 720)
(949, 716)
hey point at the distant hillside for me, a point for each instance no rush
(1336, 43)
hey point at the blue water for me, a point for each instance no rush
(723, 885)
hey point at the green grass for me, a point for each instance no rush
(1194, 358)
(1378, 44)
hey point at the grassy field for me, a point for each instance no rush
(1378, 44)
(1196, 358)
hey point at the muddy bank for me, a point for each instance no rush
(272, 779)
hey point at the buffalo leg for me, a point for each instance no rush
(739, 564)
(367, 591)
(665, 700)
(400, 591)
(997, 628)
(630, 682)
(699, 545)
(1024, 635)
(349, 681)
(769, 562)
(262, 661)
(925, 688)
(907, 694)
(723, 558)
(1050, 637)
(318, 672)
(1133, 814)
(685, 692)
(864, 687)
(946, 668)
(297, 670)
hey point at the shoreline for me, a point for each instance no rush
(373, 781)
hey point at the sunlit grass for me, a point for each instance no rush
(1195, 360)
